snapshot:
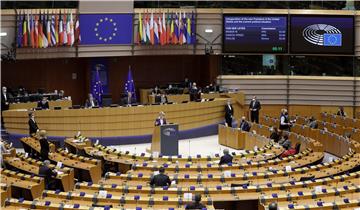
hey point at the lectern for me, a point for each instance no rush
(165, 139)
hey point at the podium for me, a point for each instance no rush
(165, 139)
(237, 139)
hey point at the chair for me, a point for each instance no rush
(297, 148)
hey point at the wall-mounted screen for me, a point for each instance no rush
(311, 34)
(254, 33)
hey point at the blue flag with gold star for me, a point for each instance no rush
(130, 85)
(106, 29)
(97, 89)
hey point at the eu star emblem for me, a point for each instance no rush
(106, 29)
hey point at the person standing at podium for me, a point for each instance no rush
(160, 120)
(229, 112)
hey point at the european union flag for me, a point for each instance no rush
(333, 40)
(97, 89)
(130, 85)
(106, 29)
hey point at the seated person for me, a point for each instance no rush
(48, 175)
(195, 92)
(273, 206)
(61, 94)
(275, 135)
(288, 152)
(163, 99)
(43, 104)
(226, 158)
(285, 142)
(196, 204)
(160, 120)
(171, 89)
(44, 145)
(341, 112)
(161, 179)
(244, 125)
(91, 101)
(312, 123)
(156, 91)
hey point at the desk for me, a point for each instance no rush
(76, 146)
(234, 138)
(31, 105)
(117, 121)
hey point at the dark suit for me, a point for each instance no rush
(195, 205)
(156, 92)
(229, 112)
(244, 126)
(5, 101)
(43, 105)
(275, 136)
(160, 180)
(44, 149)
(225, 159)
(194, 94)
(33, 127)
(158, 122)
(89, 104)
(47, 174)
(254, 115)
(341, 113)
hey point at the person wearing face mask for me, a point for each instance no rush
(254, 108)
(244, 125)
(285, 123)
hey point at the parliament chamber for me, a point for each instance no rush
(235, 105)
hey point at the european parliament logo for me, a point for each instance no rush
(106, 29)
(323, 35)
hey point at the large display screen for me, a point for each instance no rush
(322, 34)
(254, 34)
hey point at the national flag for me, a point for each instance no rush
(188, 30)
(97, 87)
(29, 30)
(36, 31)
(160, 31)
(61, 30)
(77, 30)
(176, 29)
(147, 29)
(57, 29)
(44, 31)
(152, 29)
(164, 29)
(184, 29)
(193, 34)
(48, 29)
(32, 31)
(53, 35)
(130, 85)
(71, 37)
(181, 29)
(40, 31)
(144, 36)
(168, 29)
(156, 32)
(140, 30)
(65, 41)
(20, 30)
(25, 36)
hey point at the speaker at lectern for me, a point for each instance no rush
(165, 139)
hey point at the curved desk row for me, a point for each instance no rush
(32, 105)
(125, 122)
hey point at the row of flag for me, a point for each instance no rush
(47, 30)
(166, 29)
